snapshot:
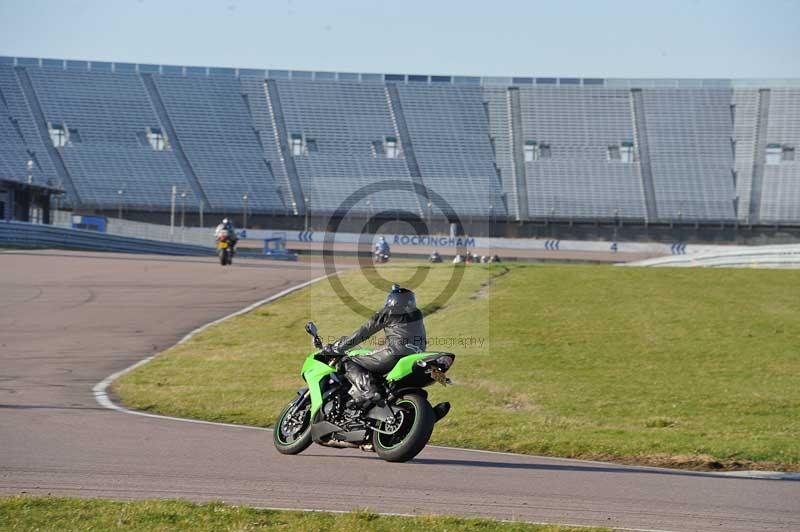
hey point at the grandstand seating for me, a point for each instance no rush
(449, 129)
(344, 120)
(498, 107)
(111, 164)
(579, 126)
(689, 133)
(264, 124)
(215, 129)
(781, 187)
(517, 148)
(19, 139)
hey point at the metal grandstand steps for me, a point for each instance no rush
(263, 118)
(41, 125)
(175, 141)
(399, 120)
(643, 149)
(279, 125)
(759, 155)
(520, 176)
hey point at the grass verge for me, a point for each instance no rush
(685, 368)
(65, 514)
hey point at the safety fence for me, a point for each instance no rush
(785, 256)
(28, 235)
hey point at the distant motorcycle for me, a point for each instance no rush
(224, 250)
(397, 427)
(381, 257)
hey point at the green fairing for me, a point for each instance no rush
(358, 351)
(313, 372)
(405, 365)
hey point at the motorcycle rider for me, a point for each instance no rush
(225, 228)
(404, 330)
(382, 246)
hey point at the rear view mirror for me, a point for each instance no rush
(311, 328)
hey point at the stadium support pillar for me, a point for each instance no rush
(520, 176)
(642, 145)
(279, 122)
(396, 108)
(759, 157)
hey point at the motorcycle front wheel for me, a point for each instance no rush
(403, 439)
(292, 432)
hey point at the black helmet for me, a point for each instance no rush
(401, 300)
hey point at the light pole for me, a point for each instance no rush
(244, 218)
(172, 212)
(29, 166)
(120, 192)
(202, 204)
(183, 210)
(307, 204)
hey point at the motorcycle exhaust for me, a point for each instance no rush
(441, 410)
(339, 444)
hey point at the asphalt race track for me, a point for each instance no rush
(69, 320)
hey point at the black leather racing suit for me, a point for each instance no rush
(401, 330)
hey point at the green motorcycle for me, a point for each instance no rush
(397, 427)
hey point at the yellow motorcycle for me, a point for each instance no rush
(225, 251)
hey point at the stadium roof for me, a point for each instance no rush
(202, 71)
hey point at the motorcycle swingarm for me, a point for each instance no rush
(380, 413)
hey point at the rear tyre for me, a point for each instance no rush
(292, 433)
(410, 434)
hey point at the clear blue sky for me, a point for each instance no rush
(644, 38)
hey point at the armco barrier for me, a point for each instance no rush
(26, 235)
(780, 256)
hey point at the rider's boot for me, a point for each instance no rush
(364, 391)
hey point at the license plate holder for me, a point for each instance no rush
(439, 376)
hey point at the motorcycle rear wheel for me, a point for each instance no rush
(413, 433)
(299, 441)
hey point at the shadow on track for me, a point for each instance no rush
(143, 257)
(49, 407)
(621, 469)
